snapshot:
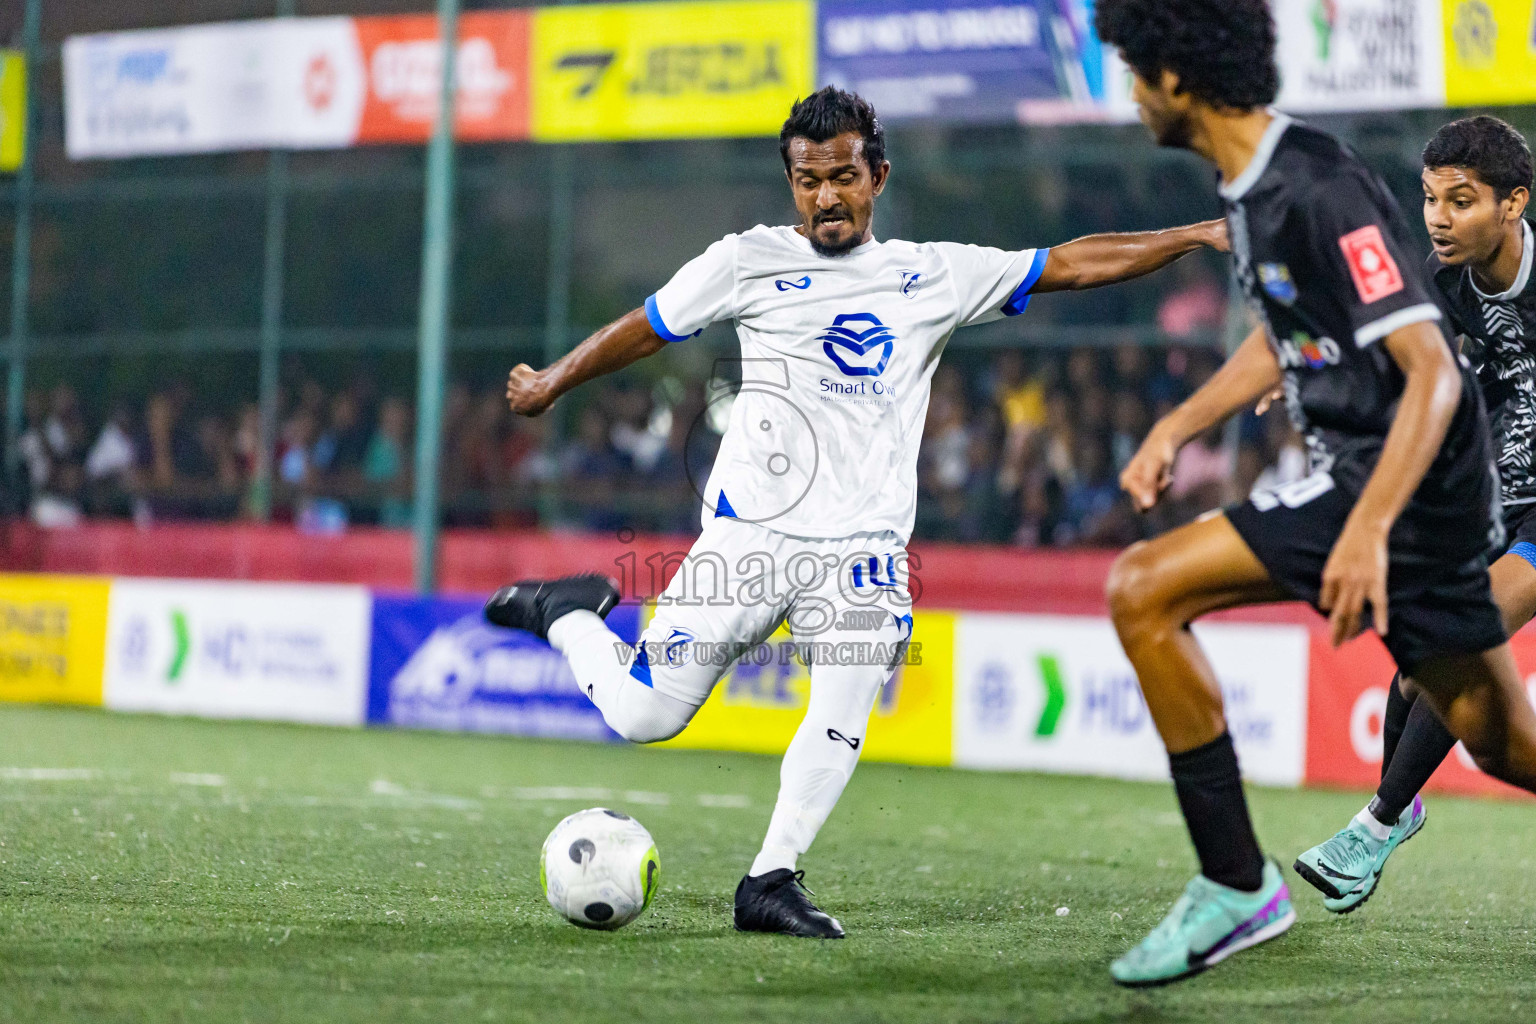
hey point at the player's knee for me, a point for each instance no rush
(644, 716)
(1133, 590)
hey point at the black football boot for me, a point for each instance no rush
(776, 902)
(534, 605)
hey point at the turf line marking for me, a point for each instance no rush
(640, 796)
(724, 800)
(198, 779)
(383, 787)
(561, 793)
(49, 774)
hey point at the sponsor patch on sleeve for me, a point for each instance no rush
(1371, 264)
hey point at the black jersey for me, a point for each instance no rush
(1500, 340)
(1321, 250)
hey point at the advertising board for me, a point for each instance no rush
(293, 652)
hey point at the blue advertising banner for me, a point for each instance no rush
(436, 664)
(964, 60)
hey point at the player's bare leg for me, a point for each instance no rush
(1156, 589)
(1480, 699)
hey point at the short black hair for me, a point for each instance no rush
(829, 113)
(1222, 50)
(1489, 147)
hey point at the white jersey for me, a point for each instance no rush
(837, 354)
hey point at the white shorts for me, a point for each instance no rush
(741, 581)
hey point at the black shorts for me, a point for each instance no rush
(1520, 526)
(1435, 606)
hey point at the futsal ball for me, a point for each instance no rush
(599, 869)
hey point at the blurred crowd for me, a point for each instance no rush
(1019, 447)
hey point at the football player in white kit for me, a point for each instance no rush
(810, 503)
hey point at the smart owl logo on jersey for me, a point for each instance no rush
(676, 646)
(1277, 282)
(858, 353)
(1300, 350)
(911, 281)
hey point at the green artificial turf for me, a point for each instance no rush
(165, 870)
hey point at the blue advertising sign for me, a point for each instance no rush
(964, 60)
(437, 664)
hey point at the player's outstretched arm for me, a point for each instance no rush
(1097, 260)
(1356, 571)
(1248, 374)
(627, 339)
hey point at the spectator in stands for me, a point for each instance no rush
(247, 439)
(65, 430)
(944, 458)
(339, 450)
(32, 445)
(296, 465)
(1129, 422)
(1202, 473)
(386, 463)
(590, 468)
(115, 453)
(1195, 305)
(1093, 510)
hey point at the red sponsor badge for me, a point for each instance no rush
(1371, 264)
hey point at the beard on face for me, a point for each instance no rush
(1172, 132)
(840, 248)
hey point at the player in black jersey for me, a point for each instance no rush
(1392, 528)
(1477, 182)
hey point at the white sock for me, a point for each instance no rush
(631, 709)
(821, 758)
(1366, 820)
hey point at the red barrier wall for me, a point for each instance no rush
(1347, 687)
(479, 561)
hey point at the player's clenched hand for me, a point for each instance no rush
(1356, 573)
(1150, 469)
(526, 392)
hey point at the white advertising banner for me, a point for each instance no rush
(207, 88)
(1056, 694)
(293, 652)
(1360, 54)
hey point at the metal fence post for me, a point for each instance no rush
(21, 243)
(271, 320)
(436, 274)
(557, 299)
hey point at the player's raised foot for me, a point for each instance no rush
(534, 605)
(776, 901)
(1347, 868)
(1209, 923)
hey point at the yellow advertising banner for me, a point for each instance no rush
(669, 70)
(1490, 52)
(13, 108)
(53, 638)
(760, 702)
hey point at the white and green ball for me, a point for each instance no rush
(599, 869)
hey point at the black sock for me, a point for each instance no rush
(1393, 722)
(1424, 744)
(1211, 796)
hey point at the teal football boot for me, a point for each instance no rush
(1209, 923)
(1347, 868)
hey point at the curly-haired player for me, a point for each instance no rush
(1393, 526)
